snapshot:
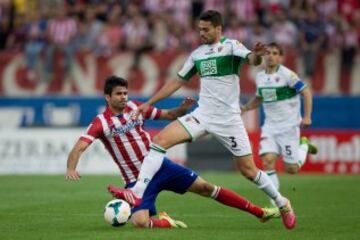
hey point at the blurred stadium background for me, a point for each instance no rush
(55, 55)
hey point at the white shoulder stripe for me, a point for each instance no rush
(91, 138)
(103, 123)
(132, 105)
(153, 113)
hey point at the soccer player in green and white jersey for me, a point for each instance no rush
(217, 62)
(279, 90)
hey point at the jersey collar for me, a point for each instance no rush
(276, 70)
(111, 113)
(222, 39)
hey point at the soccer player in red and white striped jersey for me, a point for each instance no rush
(128, 143)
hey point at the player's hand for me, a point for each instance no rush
(260, 49)
(306, 122)
(187, 103)
(243, 109)
(72, 175)
(142, 109)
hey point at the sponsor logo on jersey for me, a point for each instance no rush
(208, 67)
(122, 129)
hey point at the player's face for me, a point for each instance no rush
(118, 98)
(208, 32)
(273, 58)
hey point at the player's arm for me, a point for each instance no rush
(182, 109)
(186, 72)
(255, 57)
(169, 88)
(73, 159)
(93, 132)
(253, 103)
(306, 93)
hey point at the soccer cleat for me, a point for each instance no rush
(288, 215)
(269, 213)
(174, 223)
(312, 148)
(125, 194)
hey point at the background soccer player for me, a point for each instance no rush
(217, 62)
(279, 90)
(128, 144)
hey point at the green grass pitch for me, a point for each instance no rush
(48, 207)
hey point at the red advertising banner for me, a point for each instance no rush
(338, 152)
(88, 73)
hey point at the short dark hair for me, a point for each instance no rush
(112, 82)
(277, 46)
(212, 16)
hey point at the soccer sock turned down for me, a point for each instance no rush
(263, 182)
(232, 199)
(149, 168)
(274, 178)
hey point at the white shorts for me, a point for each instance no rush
(285, 144)
(234, 137)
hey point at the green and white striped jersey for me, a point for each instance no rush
(281, 101)
(218, 66)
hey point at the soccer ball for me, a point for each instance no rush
(117, 212)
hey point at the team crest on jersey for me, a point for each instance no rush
(277, 79)
(220, 48)
(211, 51)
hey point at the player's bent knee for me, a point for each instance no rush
(141, 222)
(268, 161)
(292, 168)
(159, 140)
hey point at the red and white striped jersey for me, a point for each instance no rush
(62, 31)
(125, 139)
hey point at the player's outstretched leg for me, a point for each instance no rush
(263, 182)
(125, 194)
(232, 199)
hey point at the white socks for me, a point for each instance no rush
(274, 178)
(151, 164)
(263, 182)
(302, 153)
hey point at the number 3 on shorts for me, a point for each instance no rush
(233, 142)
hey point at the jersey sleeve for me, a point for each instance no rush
(188, 70)
(240, 50)
(93, 131)
(152, 113)
(295, 82)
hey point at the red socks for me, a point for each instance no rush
(232, 199)
(157, 223)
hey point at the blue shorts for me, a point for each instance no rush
(170, 177)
